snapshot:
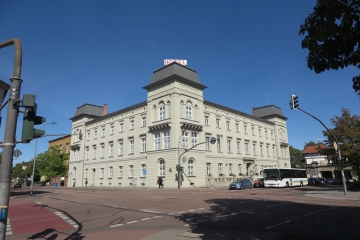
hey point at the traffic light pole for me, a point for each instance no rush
(8, 144)
(338, 149)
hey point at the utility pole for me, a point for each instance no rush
(8, 144)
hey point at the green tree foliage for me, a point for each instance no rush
(346, 128)
(333, 36)
(51, 162)
(296, 157)
(311, 143)
(18, 172)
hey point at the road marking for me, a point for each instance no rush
(8, 228)
(201, 208)
(144, 219)
(148, 211)
(232, 214)
(116, 225)
(180, 212)
(67, 219)
(170, 214)
(157, 217)
(132, 222)
(192, 210)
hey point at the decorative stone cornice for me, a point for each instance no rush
(159, 126)
(191, 126)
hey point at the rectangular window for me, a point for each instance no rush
(266, 135)
(157, 141)
(162, 168)
(217, 122)
(238, 146)
(131, 146)
(110, 172)
(103, 132)
(230, 168)
(94, 152)
(267, 151)
(246, 148)
(208, 168)
(120, 172)
(144, 121)
(191, 168)
(218, 144)
(273, 149)
(166, 139)
(272, 135)
(245, 126)
(259, 132)
(227, 125)
(254, 148)
(143, 144)
(161, 113)
(229, 146)
(239, 169)
(206, 120)
(185, 139)
(193, 139)
(207, 144)
(95, 134)
(86, 173)
(131, 170)
(111, 150)
(220, 168)
(253, 131)
(121, 148)
(102, 151)
(121, 127)
(111, 129)
(87, 153)
(143, 168)
(88, 136)
(101, 173)
(132, 124)
(261, 150)
(188, 112)
(237, 127)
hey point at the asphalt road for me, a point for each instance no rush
(137, 213)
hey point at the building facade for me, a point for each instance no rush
(137, 144)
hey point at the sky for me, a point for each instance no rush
(248, 54)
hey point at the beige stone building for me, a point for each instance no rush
(148, 137)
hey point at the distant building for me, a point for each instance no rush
(139, 143)
(63, 143)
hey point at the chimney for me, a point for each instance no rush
(105, 109)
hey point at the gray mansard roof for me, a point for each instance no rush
(175, 70)
(268, 111)
(88, 109)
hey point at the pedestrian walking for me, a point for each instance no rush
(86, 182)
(161, 182)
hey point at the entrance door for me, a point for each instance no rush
(93, 177)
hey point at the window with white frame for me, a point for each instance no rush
(266, 135)
(191, 167)
(166, 139)
(120, 172)
(238, 146)
(245, 127)
(272, 135)
(102, 151)
(121, 148)
(207, 144)
(218, 144)
(237, 127)
(220, 168)
(185, 139)
(121, 127)
(132, 124)
(230, 168)
(143, 144)
(188, 112)
(261, 150)
(144, 121)
(86, 173)
(253, 131)
(273, 149)
(281, 151)
(208, 168)
(110, 172)
(229, 145)
(87, 153)
(95, 134)
(206, 120)
(76, 155)
(254, 148)
(101, 173)
(267, 151)
(94, 152)
(228, 125)
(88, 136)
(131, 146)
(246, 148)
(193, 139)
(111, 129)
(131, 170)
(162, 167)
(239, 169)
(111, 149)
(103, 132)
(217, 122)
(260, 132)
(162, 113)
(143, 168)
(157, 141)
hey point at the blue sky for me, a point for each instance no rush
(97, 52)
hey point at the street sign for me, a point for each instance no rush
(144, 172)
(184, 159)
(213, 140)
(17, 153)
(24, 167)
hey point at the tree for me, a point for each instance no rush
(347, 131)
(311, 143)
(295, 157)
(333, 36)
(51, 162)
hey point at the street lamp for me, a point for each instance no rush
(33, 171)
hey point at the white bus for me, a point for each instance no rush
(284, 177)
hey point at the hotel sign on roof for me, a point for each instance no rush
(168, 61)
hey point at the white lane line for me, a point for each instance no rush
(170, 214)
(8, 228)
(144, 219)
(148, 211)
(180, 212)
(233, 213)
(157, 217)
(132, 222)
(201, 208)
(192, 210)
(116, 225)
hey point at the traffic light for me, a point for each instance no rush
(30, 119)
(294, 104)
(178, 168)
(181, 169)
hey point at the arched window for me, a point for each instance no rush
(162, 167)
(161, 111)
(188, 110)
(191, 167)
(74, 172)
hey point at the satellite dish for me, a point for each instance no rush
(184, 159)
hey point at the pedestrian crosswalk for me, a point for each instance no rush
(8, 228)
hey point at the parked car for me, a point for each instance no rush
(330, 181)
(241, 184)
(316, 182)
(259, 182)
(17, 185)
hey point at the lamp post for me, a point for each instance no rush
(33, 171)
(179, 157)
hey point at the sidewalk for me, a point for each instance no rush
(337, 194)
